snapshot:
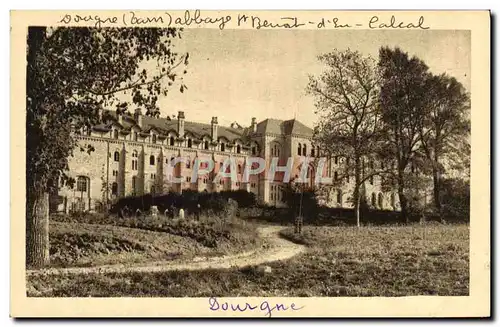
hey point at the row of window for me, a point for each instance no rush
(171, 142)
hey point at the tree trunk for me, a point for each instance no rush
(37, 229)
(356, 194)
(436, 191)
(402, 199)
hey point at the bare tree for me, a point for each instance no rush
(346, 97)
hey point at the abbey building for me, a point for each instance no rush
(133, 153)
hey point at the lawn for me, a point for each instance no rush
(340, 261)
(93, 240)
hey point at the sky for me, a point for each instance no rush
(239, 74)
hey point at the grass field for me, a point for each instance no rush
(340, 261)
(94, 240)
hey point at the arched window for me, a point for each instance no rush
(304, 150)
(152, 160)
(299, 149)
(188, 163)
(135, 136)
(190, 143)
(117, 156)
(153, 190)
(254, 150)
(339, 197)
(374, 200)
(206, 145)
(335, 176)
(393, 200)
(114, 188)
(223, 147)
(153, 138)
(238, 148)
(172, 140)
(380, 201)
(115, 134)
(134, 160)
(81, 184)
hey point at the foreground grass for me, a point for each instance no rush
(370, 261)
(94, 240)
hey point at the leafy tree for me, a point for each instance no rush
(72, 73)
(445, 128)
(346, 98)
(404, 97)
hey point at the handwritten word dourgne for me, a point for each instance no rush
(264, 306)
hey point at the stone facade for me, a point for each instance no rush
(133, 155)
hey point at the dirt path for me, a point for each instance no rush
(276, 249)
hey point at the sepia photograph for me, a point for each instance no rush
(270, 162)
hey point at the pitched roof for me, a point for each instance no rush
(286, 127)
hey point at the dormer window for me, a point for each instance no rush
(304, 150)
(115, 134)
(238, 148)
(153, 138)
(135, 136)
(190, 143)
(206, 145)
(172, 140)
(223, 147)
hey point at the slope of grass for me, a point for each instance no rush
(370, 261)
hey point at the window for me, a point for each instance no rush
(206, 145)
(134, 161)
(393, 200)
(339, 196)
(239, 169)
(117, 156)
(304, 150)
(223, 147)
(190, 143)
(370, 164)
(152, 160)
(188, 179)
(115, 173)
(253, 185)
(336, 160)
(254, 150)
(153, 138)
(371, 180)
(374, 200)
(153, 176)
(299, 150)
(335, 176)
(238, 148)
(312, 152)
(380, 201)
(114, 188)
(317, 151)
(115, 134)
(188, 163)
(81, 184)
(134, 185)
(135, 136)
(153, 190)
(382, 165)
(172, 140)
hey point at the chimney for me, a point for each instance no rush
(138, 117)
(254, 125)
(214, 128)
(120, 118)
(180, 123)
